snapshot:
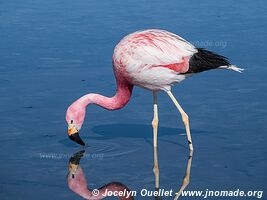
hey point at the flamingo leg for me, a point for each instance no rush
(155, 122)
(185, 119)
(186, 178)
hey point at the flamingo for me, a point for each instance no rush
(155, 60)
(78, 184)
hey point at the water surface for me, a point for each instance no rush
(52, 52)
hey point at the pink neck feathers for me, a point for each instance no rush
(121, 98)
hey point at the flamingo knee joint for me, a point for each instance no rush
(185, 118)
(156, 169)
(155, 122)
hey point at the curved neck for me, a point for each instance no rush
(119, 100)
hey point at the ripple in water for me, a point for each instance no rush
(111, 149)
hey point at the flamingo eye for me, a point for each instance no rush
(71, 121)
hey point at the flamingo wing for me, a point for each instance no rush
(155, 48)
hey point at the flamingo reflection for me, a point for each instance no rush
(78, 184)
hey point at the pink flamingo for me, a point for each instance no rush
(78, 184)
(155, 60)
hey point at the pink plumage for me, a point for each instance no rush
(152, 59)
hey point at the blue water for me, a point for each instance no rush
(52, 52)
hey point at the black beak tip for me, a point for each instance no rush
(76, 138)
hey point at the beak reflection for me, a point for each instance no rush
(74, 163)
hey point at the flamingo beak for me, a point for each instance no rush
(74, 135)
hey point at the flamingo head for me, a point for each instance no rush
(75, 117)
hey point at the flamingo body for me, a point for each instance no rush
(152, 59)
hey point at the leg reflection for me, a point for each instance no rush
(156, 172)
(186, 179)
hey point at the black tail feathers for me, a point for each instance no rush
(205, 60)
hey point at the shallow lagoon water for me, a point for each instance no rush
(52, 52)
